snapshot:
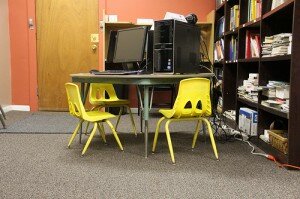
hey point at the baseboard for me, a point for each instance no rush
(16, 108)
(153, 110)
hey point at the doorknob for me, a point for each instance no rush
(94, 47)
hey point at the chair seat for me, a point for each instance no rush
(94, 116)
(169, 113)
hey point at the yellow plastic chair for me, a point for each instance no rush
(98, 99)
(196, 92)
(76, 109)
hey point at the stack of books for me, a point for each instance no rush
(219, 51)
(276, 45)
(278, 93)
(252, 49)
(233, 48)
(254, 9)
(234, 17)
(249, 89)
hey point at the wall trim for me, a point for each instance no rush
(16, 108)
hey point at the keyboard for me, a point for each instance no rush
(117, 72)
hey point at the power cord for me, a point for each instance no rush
(268, 156)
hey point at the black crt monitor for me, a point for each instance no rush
(130, 45)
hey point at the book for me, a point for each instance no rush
(252, 45)
(234, 17)
(220, 28)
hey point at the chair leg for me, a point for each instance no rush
(196, 133)
(170, 141)
(132, 121)
(3, 114)
(102, 132)
(90, 139)
(87, 128)
(119, 117)
(156, 134)
(2, 121)
(74, 133)
(212, 139)
(115, 134)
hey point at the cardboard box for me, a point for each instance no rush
(248, 121)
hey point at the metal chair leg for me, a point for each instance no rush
(3, 114)
(2, 121)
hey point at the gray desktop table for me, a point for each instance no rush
(142, 80)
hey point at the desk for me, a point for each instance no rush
(143, 80)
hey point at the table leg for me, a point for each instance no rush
(84, 89)
(146, 117)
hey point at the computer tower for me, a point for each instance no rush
(176, 47)
(149, 52)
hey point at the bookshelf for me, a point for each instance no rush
(283, 67)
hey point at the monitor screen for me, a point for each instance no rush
(130, 45)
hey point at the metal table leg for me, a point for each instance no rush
(84, 89)
(146, 117)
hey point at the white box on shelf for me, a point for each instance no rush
(248, 121)
(112, 18)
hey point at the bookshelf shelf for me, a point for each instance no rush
(276, 58)
(274, 111)
(232, 32)
(282, 19)
(248, 102)
(286, 6)
(231, 62)
(249, 60)
(251, 24)
(221, 7)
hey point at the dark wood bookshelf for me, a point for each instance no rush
(274, 111)
(282, 19)
(221, 7)
(231, 62)
(282, 8)
(267, 148)
(249, 60)
(249, 103)
(251, 24)
(276, 58)
(232, 32)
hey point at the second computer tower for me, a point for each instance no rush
(176, 47)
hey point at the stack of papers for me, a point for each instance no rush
(276, 45)
(249, 89)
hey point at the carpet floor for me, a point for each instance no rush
(41, 166)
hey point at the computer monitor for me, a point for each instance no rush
(130, 45)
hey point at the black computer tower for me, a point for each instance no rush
(176, 47)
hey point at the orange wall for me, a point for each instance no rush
(130, 10)
(23, 46)
(19, 51)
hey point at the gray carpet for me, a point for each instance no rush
(41, 166)
(63, 122)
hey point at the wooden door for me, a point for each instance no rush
(64, 46)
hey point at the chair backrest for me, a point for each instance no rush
(98, 92)
(76, 107)
(193, 98)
